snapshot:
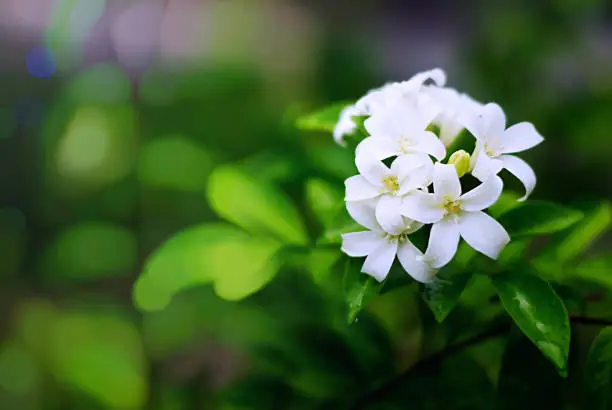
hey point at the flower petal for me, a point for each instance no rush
(345, 124)
(488, 123)
(446, 182)
(520, 137)
(483, 196)
(430, 144)
(379, 262)
(411, 259)
(443, 243)
(483, 233)
(422, 207)
(372, 169)
(485, 166)
(388, 214)
(404, 165)
(522, 171)
(363, 212)
(358, 188)
(375, 148)
(357, 244)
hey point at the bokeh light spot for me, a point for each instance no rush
(174, 163)
(41, 62)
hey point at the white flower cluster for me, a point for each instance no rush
(418, 188)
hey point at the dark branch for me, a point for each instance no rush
(394, 383)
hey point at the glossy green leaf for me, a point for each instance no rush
(598, 270)
(236, 263)
(566, 246)
(325, 200)
(442, 294)
(359, 288)
(254, 205)
(538, 312)
(599, 372)
(538, 218)
(324, 119)
(535, 386)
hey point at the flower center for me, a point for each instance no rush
(399, 238)
(451, 206)
(492, 150)
(391, 183)
(406, 144)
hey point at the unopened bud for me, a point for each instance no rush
(461, 160)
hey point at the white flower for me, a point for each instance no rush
(455, 215)
(453, 105)
(494, 142)
(345, 124)
(389, 185)
(381, 247)
(393, 94)
(400, 131)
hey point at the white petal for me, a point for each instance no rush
(375, 148)
(345, 124)
(443, 243)
(437, 75)
(483, 196)
(488, 123)
(372, 169)
(422, 207)
(358, 188)
(357, 244)
(495, 119)
(449, 130)
(520, 137)
(483, 233)
(404, 165)
(388, 214)
(379, 262)
(430, 144)
(383, 124)
(446, 182)
(411, 259)
(363, 212)
(485, 166)
(522, 171)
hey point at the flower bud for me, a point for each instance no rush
(461, 160)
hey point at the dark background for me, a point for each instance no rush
(113, 113)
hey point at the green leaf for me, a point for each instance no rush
(254, 205)
(105, 360)
(599, 372)
(533, 386)
(325, 200)
(538, 218)
(321, 263)
(359, 288)
(442, 294)
(567, 246)
(324, 119)
(236, 263)
(598, 270)
(507, 201)
(538, 312)
(340, 224)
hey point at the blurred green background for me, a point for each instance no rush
(114, 113)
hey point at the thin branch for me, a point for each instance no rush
(395, 382)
